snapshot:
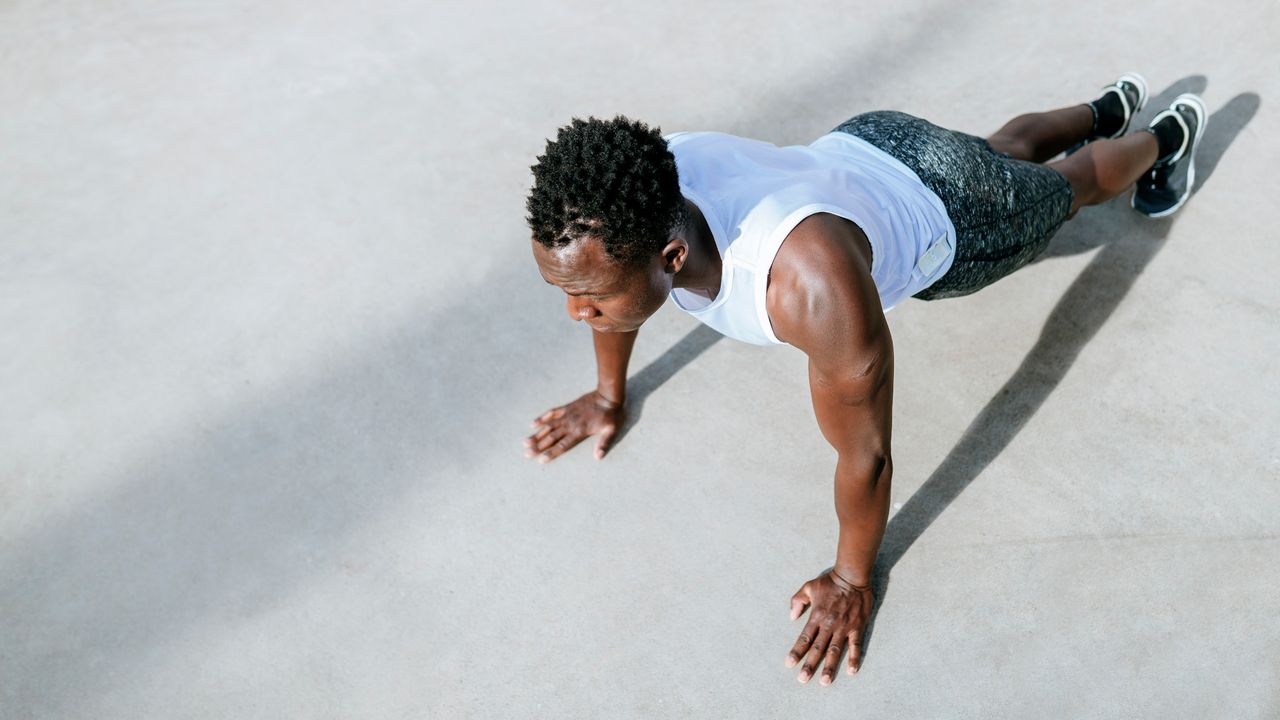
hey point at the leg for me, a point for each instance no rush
(1103, 169)
(1036, 137)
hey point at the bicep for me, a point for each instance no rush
(830, 309)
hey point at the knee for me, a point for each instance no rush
(1012, 145)
(1082, 175)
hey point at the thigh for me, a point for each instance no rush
(1004, 210)
(1004, 226)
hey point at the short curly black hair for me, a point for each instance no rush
(614, 179)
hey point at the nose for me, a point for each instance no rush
(581, 309)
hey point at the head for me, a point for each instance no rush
(608, 220)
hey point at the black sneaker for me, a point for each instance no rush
(1168, 184)
(1131, 90)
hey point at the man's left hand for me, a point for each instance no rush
(838, 612)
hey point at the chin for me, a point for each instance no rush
(616, 328)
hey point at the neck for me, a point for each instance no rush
(702, 270)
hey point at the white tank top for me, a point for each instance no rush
(753, 193)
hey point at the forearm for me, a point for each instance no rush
(862, 505)
(613, 352)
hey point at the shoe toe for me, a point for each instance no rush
(1132, 94)
(1159, 194)
(1155, 199)
(1190, 114)
(1153, 203)
(1135, 87)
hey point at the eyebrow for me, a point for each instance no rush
(566, 292)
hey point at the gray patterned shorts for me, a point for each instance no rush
(1004, 210)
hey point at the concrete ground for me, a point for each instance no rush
(271, 336)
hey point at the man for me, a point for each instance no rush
(809, 246)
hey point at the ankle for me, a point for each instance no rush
(1108, 114)
(1170, 137)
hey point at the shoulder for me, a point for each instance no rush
(820, 285)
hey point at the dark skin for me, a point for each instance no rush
(821, 298)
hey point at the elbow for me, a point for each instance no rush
(880, 479)
(873, 463)
(884, 471)
(883, 468)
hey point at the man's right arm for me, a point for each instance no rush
(613, 352)
(599, 412)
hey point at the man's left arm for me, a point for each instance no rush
(830, 309)
(853, 402)
(856, 416)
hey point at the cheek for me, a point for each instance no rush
(645, 303)
(618, 308)
(639, 304)
(622, 308)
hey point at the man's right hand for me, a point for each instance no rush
(559, 429)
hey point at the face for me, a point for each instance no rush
(603, 294)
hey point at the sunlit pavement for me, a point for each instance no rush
(271, 335)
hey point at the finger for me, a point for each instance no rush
(807, 636)
(606, 441)
(814, 656)
(550, 414)
(560, 447)
(547, 421)
(548, 440)
(538, 436)
(534, 438)
(799, 602)
(855, 652)
(831, 665)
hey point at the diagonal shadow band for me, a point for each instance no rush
(1086, 306)
(226, 518)
(657, 372)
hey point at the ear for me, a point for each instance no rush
(675, 254)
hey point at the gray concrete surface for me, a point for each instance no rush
(270, 337)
